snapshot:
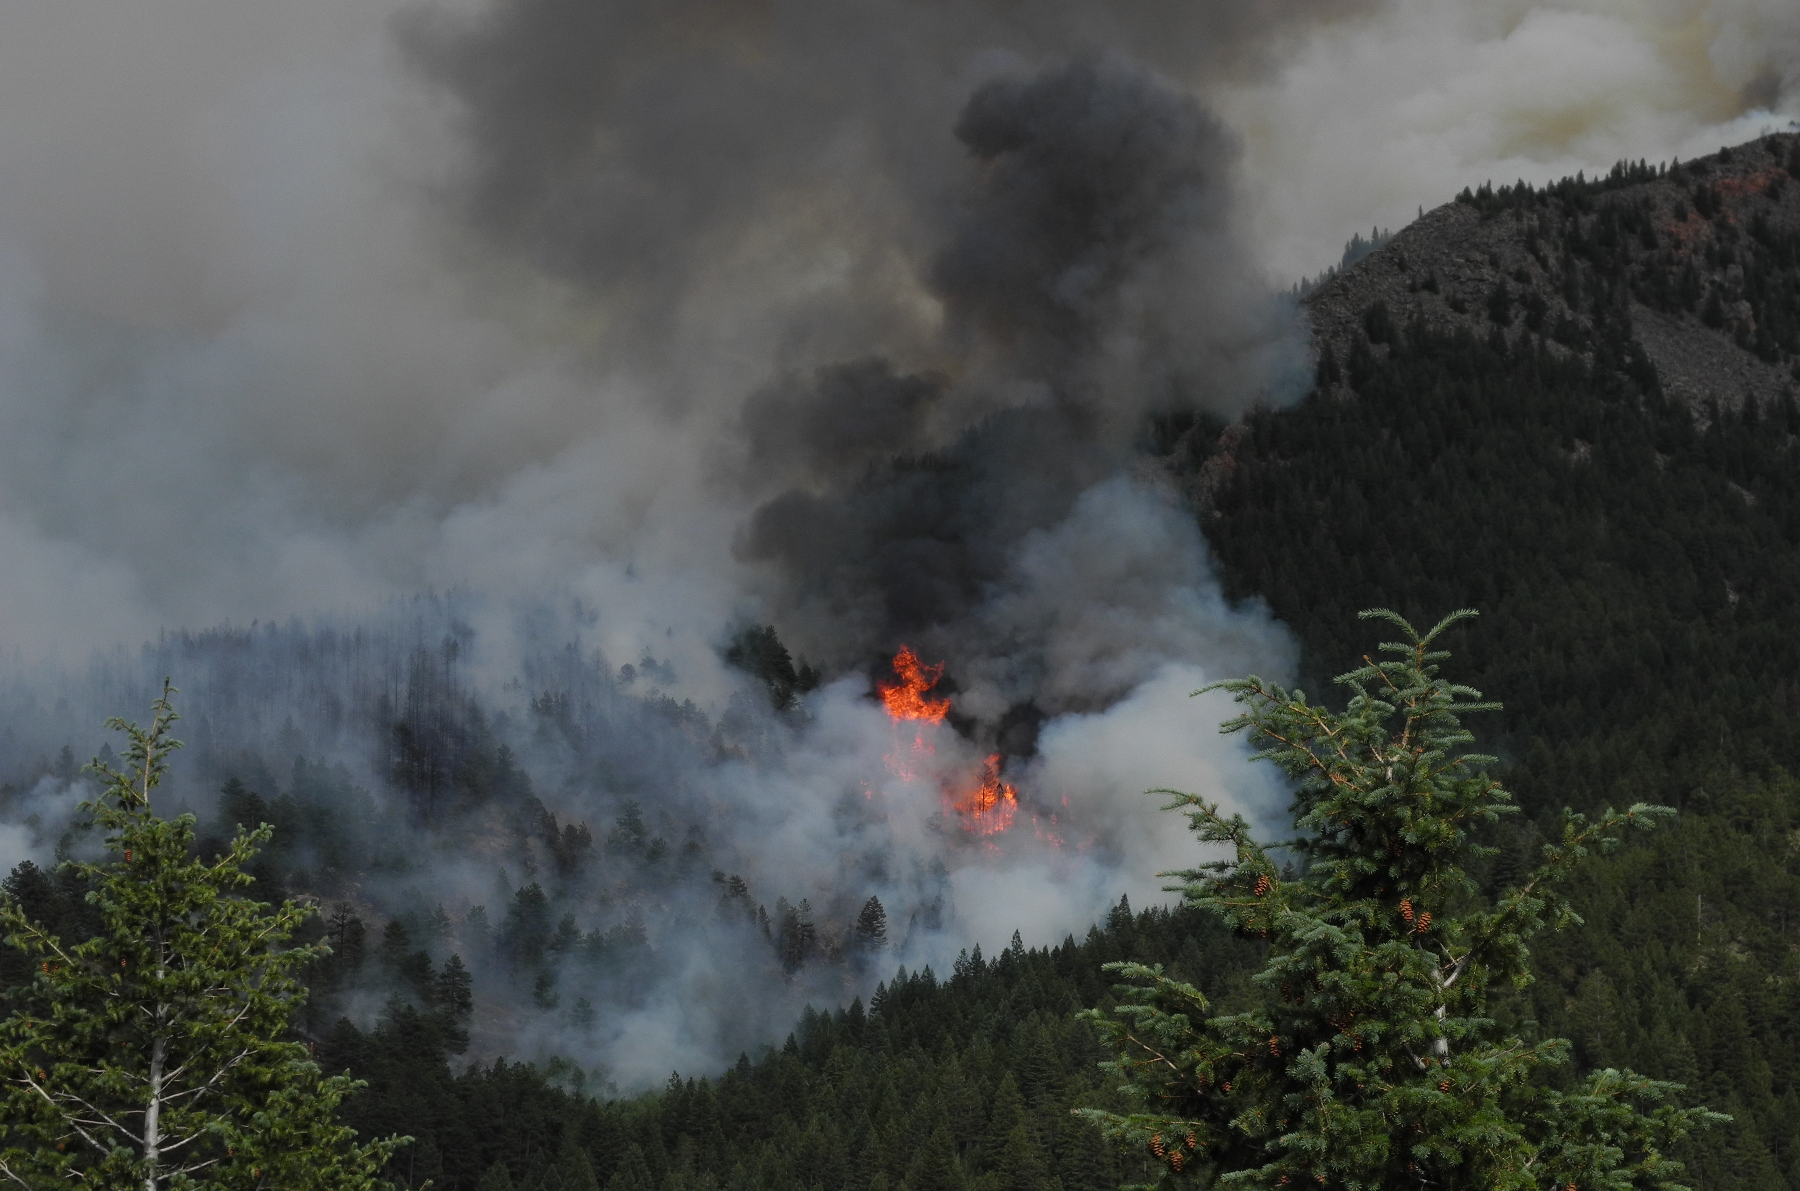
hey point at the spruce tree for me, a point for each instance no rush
(1372, 1060)
(632, 1173)
(496, 1178)
(869, 935)
(154, 1054)
(936, 1167)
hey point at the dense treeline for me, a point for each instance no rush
(938, 1084)
(1637, 567)
(1638, 572)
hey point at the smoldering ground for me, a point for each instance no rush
(640, 323)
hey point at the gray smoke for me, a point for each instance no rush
(846, 318)
(627, 324)
(1362, 123)
(406, 789)
(1040, 248)
(1091, 277)
(629, 146)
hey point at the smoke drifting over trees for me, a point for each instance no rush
(1091, 278)
(1074, 242)
(635, 327)
(574, 861)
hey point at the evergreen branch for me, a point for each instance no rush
(1398, 1076)
(196, 963)
(52, 1102)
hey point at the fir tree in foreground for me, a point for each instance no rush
(152, 1055)
(1373, 1061)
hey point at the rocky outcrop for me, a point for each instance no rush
(1702, 260)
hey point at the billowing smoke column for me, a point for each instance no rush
(958, 484)
(1072, 254)
(1043, 252)
(1091, 279)
(634, 326)
(926, 481)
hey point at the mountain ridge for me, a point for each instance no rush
(1701, 259)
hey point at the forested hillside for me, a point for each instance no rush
(1570, 408)
(942, 1081)
(1636, 560)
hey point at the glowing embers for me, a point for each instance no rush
(909, 699)
(990, 807)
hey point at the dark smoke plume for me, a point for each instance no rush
(1069, 229)
(642, 326)
(1092, 278)
(631, 147)
(614, 142)
(842, 317)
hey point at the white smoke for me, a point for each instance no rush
(1367, 120)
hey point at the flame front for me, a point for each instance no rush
(908, 699)
(990, 807)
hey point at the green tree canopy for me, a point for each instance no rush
(1373, 1061)
(154, 1054)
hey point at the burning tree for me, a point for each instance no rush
(987, 804)
(153, 1055)
(1373, 1060)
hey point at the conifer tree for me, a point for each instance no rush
(869, 935)
(153, 1054)
(1372, 1060)
(452, 992)
(573, 1171)
(632, 1173)
(496, 1178)
(936, 1167)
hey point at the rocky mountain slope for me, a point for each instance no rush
(1575, 410)
(1700, 259)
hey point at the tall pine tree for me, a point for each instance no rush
(154, 1054)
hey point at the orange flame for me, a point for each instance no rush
(907, 699)
(990, 807)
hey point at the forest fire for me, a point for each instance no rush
(990, 807)
(909, 699)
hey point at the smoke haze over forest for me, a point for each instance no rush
(626, 327)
